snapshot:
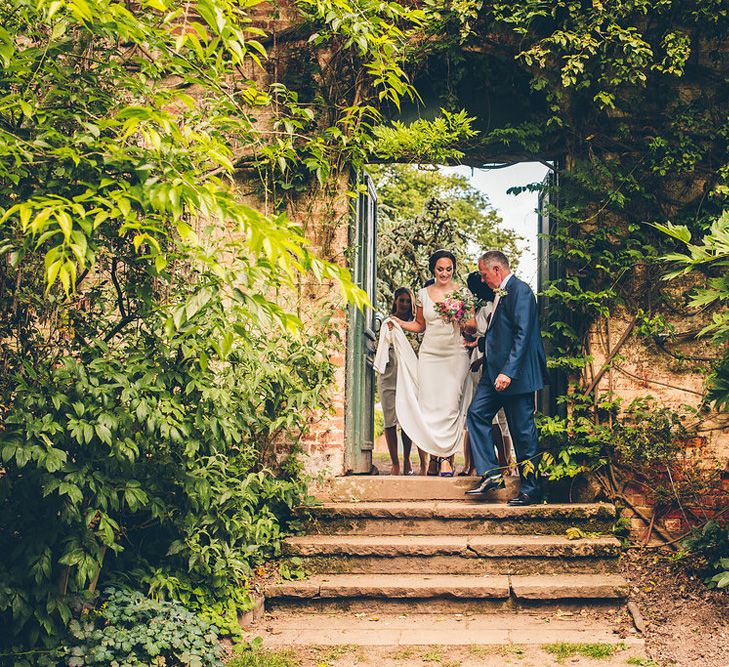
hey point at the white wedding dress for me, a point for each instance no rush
(433, 392)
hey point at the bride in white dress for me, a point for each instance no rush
(432, 389)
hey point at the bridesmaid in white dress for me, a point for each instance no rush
(432, 397)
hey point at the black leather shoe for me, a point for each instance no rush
(485, 485)
(523, 500)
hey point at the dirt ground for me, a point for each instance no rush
(687, 625)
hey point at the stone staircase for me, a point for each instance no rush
(403, 547)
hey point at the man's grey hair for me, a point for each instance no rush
(492, 257)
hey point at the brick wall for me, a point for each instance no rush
(640, 369)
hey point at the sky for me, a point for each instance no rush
(517, 211)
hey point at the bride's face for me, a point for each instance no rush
(443, 271)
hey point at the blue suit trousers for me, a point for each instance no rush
(519, 409)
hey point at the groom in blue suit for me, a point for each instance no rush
(515, 368)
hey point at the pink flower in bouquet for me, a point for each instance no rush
(455, 307)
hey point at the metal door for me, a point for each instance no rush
(361, 338)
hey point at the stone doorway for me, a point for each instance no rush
(365, 449)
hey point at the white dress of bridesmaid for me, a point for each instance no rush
(433, 392)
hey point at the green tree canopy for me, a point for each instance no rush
(423, 209)
(145, 338)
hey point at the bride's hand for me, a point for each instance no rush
(391, 322)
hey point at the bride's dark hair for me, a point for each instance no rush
(440, 254)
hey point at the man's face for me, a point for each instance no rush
(491, 275)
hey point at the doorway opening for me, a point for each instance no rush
(405, 212)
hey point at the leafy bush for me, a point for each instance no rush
(574, 444)
(150, 461)
(641, 437)
(710, 545)
(131, 629)
(648, 434)
(645, 444)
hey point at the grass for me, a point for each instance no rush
(404, 653)
(507, 651)
(333, 653)
(564, 650)
(642, 662)
(434, 655)
(257, 657)
(511, 650)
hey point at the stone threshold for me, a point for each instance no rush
(288, 629)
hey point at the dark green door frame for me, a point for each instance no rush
(361, 337)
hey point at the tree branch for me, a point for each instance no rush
(119, 294)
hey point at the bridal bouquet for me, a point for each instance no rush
(456, 307)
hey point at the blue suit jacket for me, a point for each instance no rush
(514, 341)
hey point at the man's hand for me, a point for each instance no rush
(502, 382)
(468, 326)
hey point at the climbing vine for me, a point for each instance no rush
(633, 89)
(137, 290)
(628, 98)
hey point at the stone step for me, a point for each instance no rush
(440, 593)
(387, 488)
(472, 554)
(434, 517)
(569, 587)
(352, 629)
(391, 586)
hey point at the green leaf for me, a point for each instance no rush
(72, 491)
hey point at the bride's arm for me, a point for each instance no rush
(416, 326)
